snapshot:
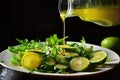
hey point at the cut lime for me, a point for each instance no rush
(31, 60)
(98, 57)
(79, 63)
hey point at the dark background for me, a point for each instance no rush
(35, 19)
(40, 18)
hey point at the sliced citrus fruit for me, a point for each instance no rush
(31, 60)
(79, 63)
(98, 57)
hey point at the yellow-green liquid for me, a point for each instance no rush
(107, 16)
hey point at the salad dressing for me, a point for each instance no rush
(104, 14)
(99, 16)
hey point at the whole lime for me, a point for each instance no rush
(112, 43)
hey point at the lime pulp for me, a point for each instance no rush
(98, 57)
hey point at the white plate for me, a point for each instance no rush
(5, 57)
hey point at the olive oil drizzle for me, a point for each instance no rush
(64, 34)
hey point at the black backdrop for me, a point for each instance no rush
(40, 18)
(28, 19)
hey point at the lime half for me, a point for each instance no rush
(98, 57)
(79, 63)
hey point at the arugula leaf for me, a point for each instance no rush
(24, 42)
(54, 40)
(15, 60)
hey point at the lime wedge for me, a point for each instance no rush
(79, 63)
(98, 57)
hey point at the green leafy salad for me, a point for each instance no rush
(56, 55)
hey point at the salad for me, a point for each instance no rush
(56, 55)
